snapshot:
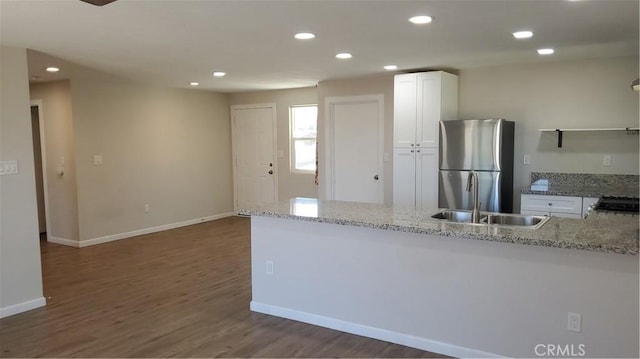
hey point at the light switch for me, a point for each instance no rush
(280, 154)
(526, 160)
(97, 159)
(9, 167)
(606, 160)
(386, 157)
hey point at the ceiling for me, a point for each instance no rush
(172, 43)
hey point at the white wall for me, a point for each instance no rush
(289, 184)
(20, 271)
(169, 148)
(59, 143)
(453, 296)
(569, 94)
(379, 85)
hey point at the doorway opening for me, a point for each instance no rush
(39, 157)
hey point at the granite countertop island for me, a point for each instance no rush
(609, 233)
(398, 275)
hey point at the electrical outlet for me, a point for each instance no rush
(269, 267)
(606, 160)
(574, 322)
(526, 160)
(97, 159)
(146, 208)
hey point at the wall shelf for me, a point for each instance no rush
(559, 131)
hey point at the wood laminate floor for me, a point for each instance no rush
(179, 293)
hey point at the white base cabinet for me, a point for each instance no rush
(415, 177)
(558, 206)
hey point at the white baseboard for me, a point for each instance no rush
(372, 332)
(22, 307)
(64, 241)
(139, 232)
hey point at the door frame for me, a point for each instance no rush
(43, 154)
(234, 141)
(329, 176)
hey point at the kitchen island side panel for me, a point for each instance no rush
(449, 295)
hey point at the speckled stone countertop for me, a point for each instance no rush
(607, 233)
(582, 185)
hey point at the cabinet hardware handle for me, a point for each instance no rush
(550, 204)
(412, 145)
(417, 145)
(411, 151)
(417, 150)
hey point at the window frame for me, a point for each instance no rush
(292, 141)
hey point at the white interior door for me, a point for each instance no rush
(355, 140)
(255, 172)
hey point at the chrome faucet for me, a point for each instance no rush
(475, 213)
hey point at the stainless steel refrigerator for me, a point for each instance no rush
(484, 146)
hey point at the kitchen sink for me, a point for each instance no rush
(451, 215)
(492, 219)
(517, 220)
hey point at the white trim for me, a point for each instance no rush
(372, 332)
(43, 155)
(139, 232)
(329, 177)
(274, 132)
(63, 241)
(22, 307)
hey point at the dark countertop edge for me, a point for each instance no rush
(500, 238)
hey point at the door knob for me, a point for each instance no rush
(270, 164)
(375, 177)
(270, 172)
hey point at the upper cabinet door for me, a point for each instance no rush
(437, 94)
(428, 109)
(421, 101)
(404, 110)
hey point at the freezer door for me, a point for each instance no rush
(452, 190)
(471, 144)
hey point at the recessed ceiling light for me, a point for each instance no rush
(391, 67)
(545, 51)
(219, 74)
(52, 69)
(344, 55)
(421, 19)
(523, 34)
(194, 83)
(304, 36)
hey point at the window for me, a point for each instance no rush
(304, 130)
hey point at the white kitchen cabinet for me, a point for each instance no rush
(426, 178)
(559, 206)
(415, 182)
(404, 176)
(421, 101)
